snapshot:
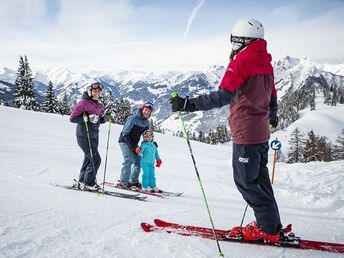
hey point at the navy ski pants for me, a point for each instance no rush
(87, 172)
(251, 177)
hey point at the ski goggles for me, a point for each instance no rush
(96, 85)
(148, 105)
(148, 133)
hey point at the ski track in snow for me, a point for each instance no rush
(41, 220)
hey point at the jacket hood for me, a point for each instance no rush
(257, 53)
(85, 96)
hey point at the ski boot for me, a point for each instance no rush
(253, 233)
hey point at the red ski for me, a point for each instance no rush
(289, 241)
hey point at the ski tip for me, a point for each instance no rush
(158, 221)
(146, 227)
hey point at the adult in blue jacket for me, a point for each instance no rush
(128, 141)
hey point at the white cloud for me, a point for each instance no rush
(192, 16)
(286, 12)
(20, 14)
(320, 37)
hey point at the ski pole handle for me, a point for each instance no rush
(174, 94)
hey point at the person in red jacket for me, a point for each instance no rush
(248, 86)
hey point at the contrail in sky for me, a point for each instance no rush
(192, 16)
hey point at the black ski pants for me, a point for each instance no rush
(87, 172)
(251, 177)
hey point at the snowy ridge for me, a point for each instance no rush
(290, 74)
(76, 224)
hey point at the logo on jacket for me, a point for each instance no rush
(243, 160)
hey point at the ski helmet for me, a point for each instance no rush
(147, 133)
(147, 104)
(95, 85)
(244, 32)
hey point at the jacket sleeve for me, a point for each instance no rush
(157, 156)
(273, 104)
(77, 112)
(215, 99)
(128, 126)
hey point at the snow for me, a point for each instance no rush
(325, 120)
(41, 220)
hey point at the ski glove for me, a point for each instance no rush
(182, 104)
(158, 163)
(93, 118)
(274, 122)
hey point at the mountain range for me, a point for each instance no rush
(290, 74)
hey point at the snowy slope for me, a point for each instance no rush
(40, 220)
(325, 120)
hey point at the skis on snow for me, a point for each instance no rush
(109, 193)
(161, 195)
(287, 241)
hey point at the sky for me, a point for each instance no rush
(104, 35)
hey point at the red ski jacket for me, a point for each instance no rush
(248, 86)
(250, 76)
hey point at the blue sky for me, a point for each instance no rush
(103, 35)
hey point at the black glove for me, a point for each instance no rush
(182, 104)
(274, 122)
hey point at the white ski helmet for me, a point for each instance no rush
(244, 31)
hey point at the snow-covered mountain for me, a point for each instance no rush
(38, 219)
(290, 74)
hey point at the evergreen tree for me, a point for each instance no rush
(311, 148)
(201, 137)
(122, 111)
(108, 98)
(341, 96)
(338, 149)
(64, 105)
(50, 104)
(155, 126)
(324, 152)
(296, 142)
(222, 133)
(312, 100)
(334, 97)
(212, 137)
(24, 93)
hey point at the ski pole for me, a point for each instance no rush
(106, 155)
(89, 144)
(273, 166)
(175, 94)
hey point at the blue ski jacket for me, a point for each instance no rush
(149, 152)
(133, 128)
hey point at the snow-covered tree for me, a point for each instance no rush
(64, 105)
(121, 111)
(24, 94)
(310, 152)
(338, 149)
(201, 137)
(296, 143)
(50, 104)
